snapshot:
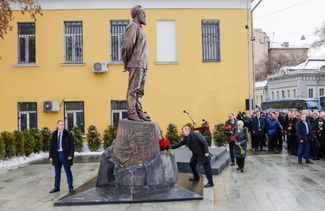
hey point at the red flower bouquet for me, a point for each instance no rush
(164, 144)
(228, 127)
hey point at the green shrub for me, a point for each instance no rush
(20, 143)
(109, 135)
(29, 142)
(2, 148)
(47, 138)
(93, 138)
(38, 139)
(219, 136)
(172, 134)
(77, 138)
(10, 145)
(206, 134)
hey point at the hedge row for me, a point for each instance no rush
(24, 143)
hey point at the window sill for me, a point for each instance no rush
(167, 63)
(73, 64)
(26, 65)
(211, 61)
(115, 63)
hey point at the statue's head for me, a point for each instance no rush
(137, 13)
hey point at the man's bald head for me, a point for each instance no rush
(186, 130)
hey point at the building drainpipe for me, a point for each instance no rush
(252, 39)
(249, 56)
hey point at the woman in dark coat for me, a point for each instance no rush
(230, 127)
(240, 141)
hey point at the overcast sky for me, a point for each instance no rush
(288, 20)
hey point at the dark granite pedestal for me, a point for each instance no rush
(89, 194)
(133, 170)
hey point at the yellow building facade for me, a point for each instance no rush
(179, 77)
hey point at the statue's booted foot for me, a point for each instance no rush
(135, 118)
(144, 117)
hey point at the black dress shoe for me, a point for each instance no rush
(309, 162)
(232, 163)
(300, 162)
(237, 168)
(54, 190)
(194, 179)
(208, 185)
(71, 190)
(242, 170)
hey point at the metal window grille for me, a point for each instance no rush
(73, 39)
(26, 43)
(210, 40)
(117, 33)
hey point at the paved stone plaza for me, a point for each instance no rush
(270, 182)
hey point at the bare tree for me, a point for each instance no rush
(6, 13)
(320, 32)
(271, 65)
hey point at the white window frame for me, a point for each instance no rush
(120, 112)
(74, 112)
(27, 118)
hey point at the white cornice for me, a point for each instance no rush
(147, 4)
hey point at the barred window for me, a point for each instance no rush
(210, 41)
(310, 92)
(74, 115)
(117, 33)
(73, 42)
(321, 92)
(26, 43)
(27, 115)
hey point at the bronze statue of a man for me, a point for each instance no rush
(135, 59)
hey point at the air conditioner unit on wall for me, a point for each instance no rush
(51, 106)
(99, 67)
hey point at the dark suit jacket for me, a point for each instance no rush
(197, 144)
(67, 146)
(301, 131)
(258, 130)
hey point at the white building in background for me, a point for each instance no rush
(306, 80)
(260, 92)
(261, 49)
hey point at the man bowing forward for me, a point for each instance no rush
(61, 154)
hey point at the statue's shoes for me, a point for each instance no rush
(135, 118)
(144, 117)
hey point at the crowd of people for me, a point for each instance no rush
(302, 131)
